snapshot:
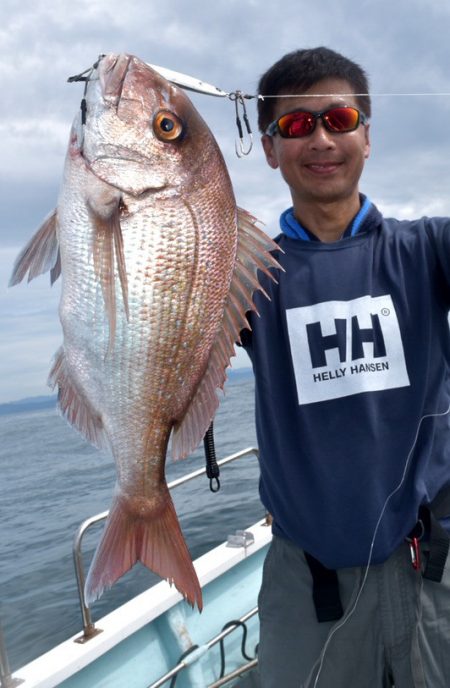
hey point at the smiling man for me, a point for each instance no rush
(321, 169)
(351, 359)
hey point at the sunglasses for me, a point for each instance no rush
(295, 125)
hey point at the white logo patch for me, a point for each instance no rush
(340, 348)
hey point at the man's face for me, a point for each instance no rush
(322, 167)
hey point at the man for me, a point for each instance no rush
(351, 359)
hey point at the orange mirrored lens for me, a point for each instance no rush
(341, 119)
(301, 123)
(296, 124)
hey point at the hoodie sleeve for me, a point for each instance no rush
(438, 230)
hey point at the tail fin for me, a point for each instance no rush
(154, 538)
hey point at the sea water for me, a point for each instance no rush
(51, 480)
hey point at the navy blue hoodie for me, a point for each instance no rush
(351, 359)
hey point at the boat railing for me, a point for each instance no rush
(6, 679)
(195, 654)
(89, 628)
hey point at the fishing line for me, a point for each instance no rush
(248, 96)
(348, 95)
(245, 143)
(352, 607)
(239, 98)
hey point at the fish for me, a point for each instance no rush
(159, 267)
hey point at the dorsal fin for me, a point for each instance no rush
(40, 254)
(252, 255)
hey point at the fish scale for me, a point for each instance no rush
(159, 267)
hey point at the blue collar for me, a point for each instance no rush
(293, 229)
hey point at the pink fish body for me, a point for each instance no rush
(158, 269)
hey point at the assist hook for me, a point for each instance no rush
(239, 102)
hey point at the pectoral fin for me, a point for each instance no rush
(108, 254)
(40, 254)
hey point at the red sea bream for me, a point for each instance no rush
(158, 269)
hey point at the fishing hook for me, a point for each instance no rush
(238, 98)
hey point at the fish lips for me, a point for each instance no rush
(133, 175)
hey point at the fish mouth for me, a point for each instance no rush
(128, 171)
(119, 153)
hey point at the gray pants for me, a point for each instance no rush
(398, 634)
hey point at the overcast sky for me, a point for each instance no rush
(403, 44)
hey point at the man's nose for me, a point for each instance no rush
(321, 138)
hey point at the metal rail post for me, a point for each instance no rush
(6, 679)
(89, 629)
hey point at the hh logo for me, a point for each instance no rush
(319, 344)
(341, 348)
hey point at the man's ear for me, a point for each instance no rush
(367, 137)
(269, 150)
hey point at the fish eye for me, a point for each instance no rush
(167, 126)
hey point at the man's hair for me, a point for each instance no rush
(298, 71)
